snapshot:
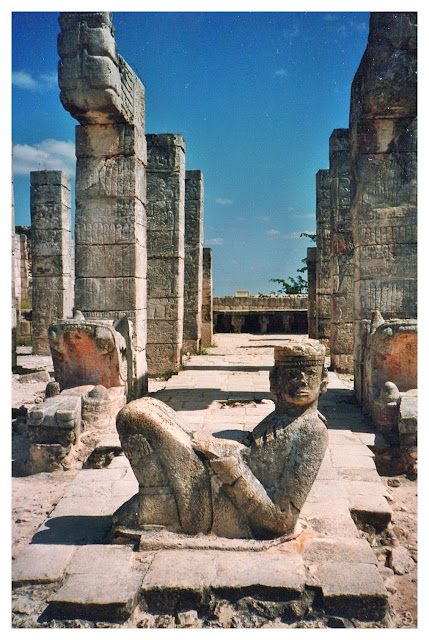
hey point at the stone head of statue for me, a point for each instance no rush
(298, 377)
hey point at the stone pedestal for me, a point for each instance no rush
(166, 250)
(103, 93)
(323, 273)
(384, 172)
(52, 249)
(207, 302)
(193, 285)
(342, 267)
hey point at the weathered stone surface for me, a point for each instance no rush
(383, 163)
(166, 248)
(193, 274)
(341, 253)
(321, 550)
(323, 233)
(400, 560)
(353, 590)
(311, 276)
(212, 485)
(52, 253)
(40, 563)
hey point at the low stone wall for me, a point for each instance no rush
(260, 314)
(250, 303)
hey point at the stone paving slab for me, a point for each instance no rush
(39, 563)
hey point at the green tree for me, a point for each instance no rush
(295, 285)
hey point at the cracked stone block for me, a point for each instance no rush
(40, 563)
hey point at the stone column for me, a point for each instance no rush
(384, 171)
(15, 283)
(323, 275)
(342, 267)
(103, 93)
(51, 248)
(311, 275)
(207, 304)
(193, 287)
(166, 250)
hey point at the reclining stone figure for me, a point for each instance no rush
(250, 489)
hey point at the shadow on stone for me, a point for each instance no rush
(75, 530)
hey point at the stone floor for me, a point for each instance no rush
(329, 566)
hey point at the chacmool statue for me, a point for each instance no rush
(250, 489)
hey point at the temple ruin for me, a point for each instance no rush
(207, 482)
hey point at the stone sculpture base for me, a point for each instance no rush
(126, 530)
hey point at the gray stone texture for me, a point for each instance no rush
(15, 284)
(311, 277)
(165, 251)
(207, 299)
(323, 269)
(52, 254)
(102, 92)
(383, 171)
(193, 278)
(342, 266)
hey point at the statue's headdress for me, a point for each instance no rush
(298, 353)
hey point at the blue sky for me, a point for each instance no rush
(256, 96)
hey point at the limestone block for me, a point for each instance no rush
(165, 244)
(379, 260)
(165, 331)
(341, 306)
(101, 260)
(165, 277)
(164, 152)
(393, 298)
(52, 265)
(408, 413)
(121, 176)
(110, 221)
(341, 335)
(100, 141)
(39, 563)
(56, 421)
(114, 294)
(164, 309)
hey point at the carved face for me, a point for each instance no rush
(298, 384)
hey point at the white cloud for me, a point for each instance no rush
(215, 242)
(280, 72)
(54, 155)
(273, 232)
(240, 218)
(304, 215)
(223, 201)
(24, 80)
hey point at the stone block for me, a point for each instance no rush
(110, 294)
(371, 509)
(107, 222)
(102, 141)
(337, 550)
(117, 177)
(165, 277)
(103, 260)
(41, 563)
(354, 590)
(408, 413)
(52, 265)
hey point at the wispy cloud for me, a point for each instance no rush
(223, 201)
(54, 155)
(215, 242)
(240, 219)
(290, 34)
(280, 73)
(294, 235)
(273, 232)
(303, 215)
(24, 80)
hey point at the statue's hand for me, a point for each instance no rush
(227, 469)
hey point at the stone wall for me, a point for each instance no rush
(193, 285)
(165, 246)
(52, 248)
(248, 303)
(207, 299)
(102, 92)
(311, 308)
(342, 267)
(383, 173)
(323, 234)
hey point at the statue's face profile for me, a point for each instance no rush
(297, 384)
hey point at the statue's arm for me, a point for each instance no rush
(251, 499)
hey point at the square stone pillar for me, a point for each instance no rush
(207, 304)
(323, 268)
(311, 276)
(110, 231)
(383, 131)
(52, 249)
(166, 250)
(342, 266)
(193, 287)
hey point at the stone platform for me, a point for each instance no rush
(329, 568)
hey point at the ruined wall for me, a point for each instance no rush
(311, 276)
(323, 268)
(249, 303)
(102, 92)
(166, 250)
(52, 248)
(342, 266)
(193, 286)
(383, 175)
(207, 299)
